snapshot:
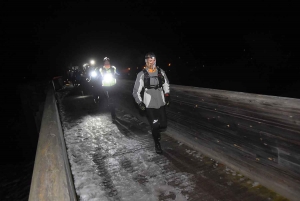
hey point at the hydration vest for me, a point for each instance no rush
(161, 79)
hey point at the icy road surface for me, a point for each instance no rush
(118, 162)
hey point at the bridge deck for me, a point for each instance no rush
(118, 162)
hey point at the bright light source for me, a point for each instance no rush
(108, 77)
(92, 62)
(128, 68)
(169, 64)
(94, 74)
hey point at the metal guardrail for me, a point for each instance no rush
(52, 179)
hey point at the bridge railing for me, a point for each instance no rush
(52, 178)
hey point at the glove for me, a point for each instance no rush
(142, 106)
(167, 99)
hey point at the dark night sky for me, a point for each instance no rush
(45, 37)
